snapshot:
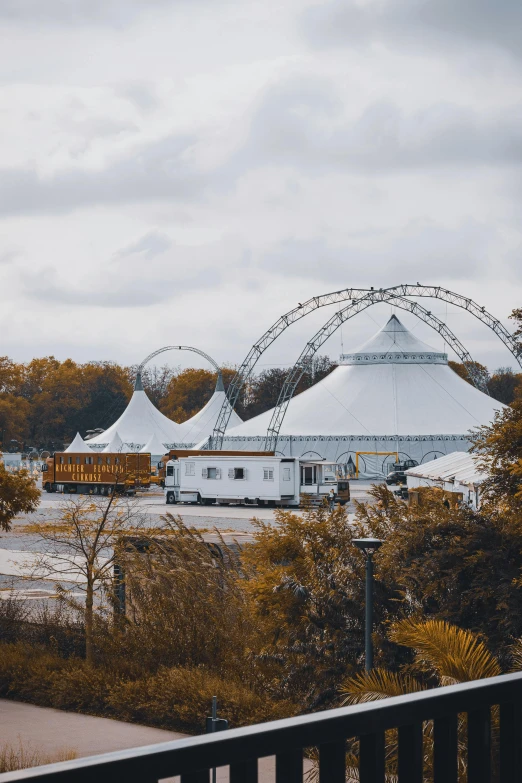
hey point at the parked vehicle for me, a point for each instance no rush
(175, 454)
(397, 474)
(96, 473)
(253, 480)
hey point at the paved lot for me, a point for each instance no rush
(51, 731)
(153, 505)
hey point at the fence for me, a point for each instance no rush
(328, 731)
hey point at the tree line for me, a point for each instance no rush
(44, 402)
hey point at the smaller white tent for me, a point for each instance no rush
(115, 445)
(79, 445)
(138, 422)
(200, 426)
(154, 447)
(456, 472)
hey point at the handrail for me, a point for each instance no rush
(192, 758)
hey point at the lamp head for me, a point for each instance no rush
(368, 546)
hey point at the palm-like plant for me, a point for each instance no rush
(443, 655)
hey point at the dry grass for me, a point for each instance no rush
(24, 755)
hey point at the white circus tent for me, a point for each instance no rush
(154, 447)
(78, 445)
(115, 445)
(138, 423)
(201, 425)
(393, 396)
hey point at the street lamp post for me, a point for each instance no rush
(368, 547)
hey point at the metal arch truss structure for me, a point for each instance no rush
(348, 294)
(209, 359)
(307, 356)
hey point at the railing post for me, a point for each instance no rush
(199, 776)
(244, 772)
(289, 766)
(332, 762)
(479, 745)
(371, 758)
(410, 753)
(510, 742)
(445, 749)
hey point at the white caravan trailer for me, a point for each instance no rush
(265, 481)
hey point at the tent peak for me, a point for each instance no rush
(220, 386)
(394, 344)
(138, 383)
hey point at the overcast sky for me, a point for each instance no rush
(185, 171)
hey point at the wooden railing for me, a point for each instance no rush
(490, 756)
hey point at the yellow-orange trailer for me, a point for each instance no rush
(95, 473)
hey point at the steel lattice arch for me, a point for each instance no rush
(358, 300)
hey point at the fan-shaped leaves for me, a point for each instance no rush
(452, 654)
(378, 684)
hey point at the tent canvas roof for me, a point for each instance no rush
(385, 397)
(460, 466)
(154, 446)
(115, 444)
(78, 445)
(139, 421)
(201, 425)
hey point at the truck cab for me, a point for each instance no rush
(397, 474)
(319, 477)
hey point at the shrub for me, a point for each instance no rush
(23, 756)
(180, 698)
(173, 698)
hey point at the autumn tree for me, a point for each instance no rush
(156, 381)
(306, 582)
(462, 370)
(449, 563)
(81, 547)
(176, 580)
(503, 385)
(18, 495)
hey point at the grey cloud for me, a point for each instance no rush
(423, 247)
(417, 23)
(140, 94)
(8, 256)
(116, 290)
(160, 171)
(150, 245)
(116, 13)
(301, 127)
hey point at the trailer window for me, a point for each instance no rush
(286, 474)
(213, 473)
(238, 474)
(170, 470)
(116, 460)
(69, 460)
(78, 460)
(61, 460)
(100, 460)
(88, 460)
(190, 469)
(268, 474)
(108, 460)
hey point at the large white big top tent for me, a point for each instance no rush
(395, 397)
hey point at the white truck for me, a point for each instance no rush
(253, 480)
